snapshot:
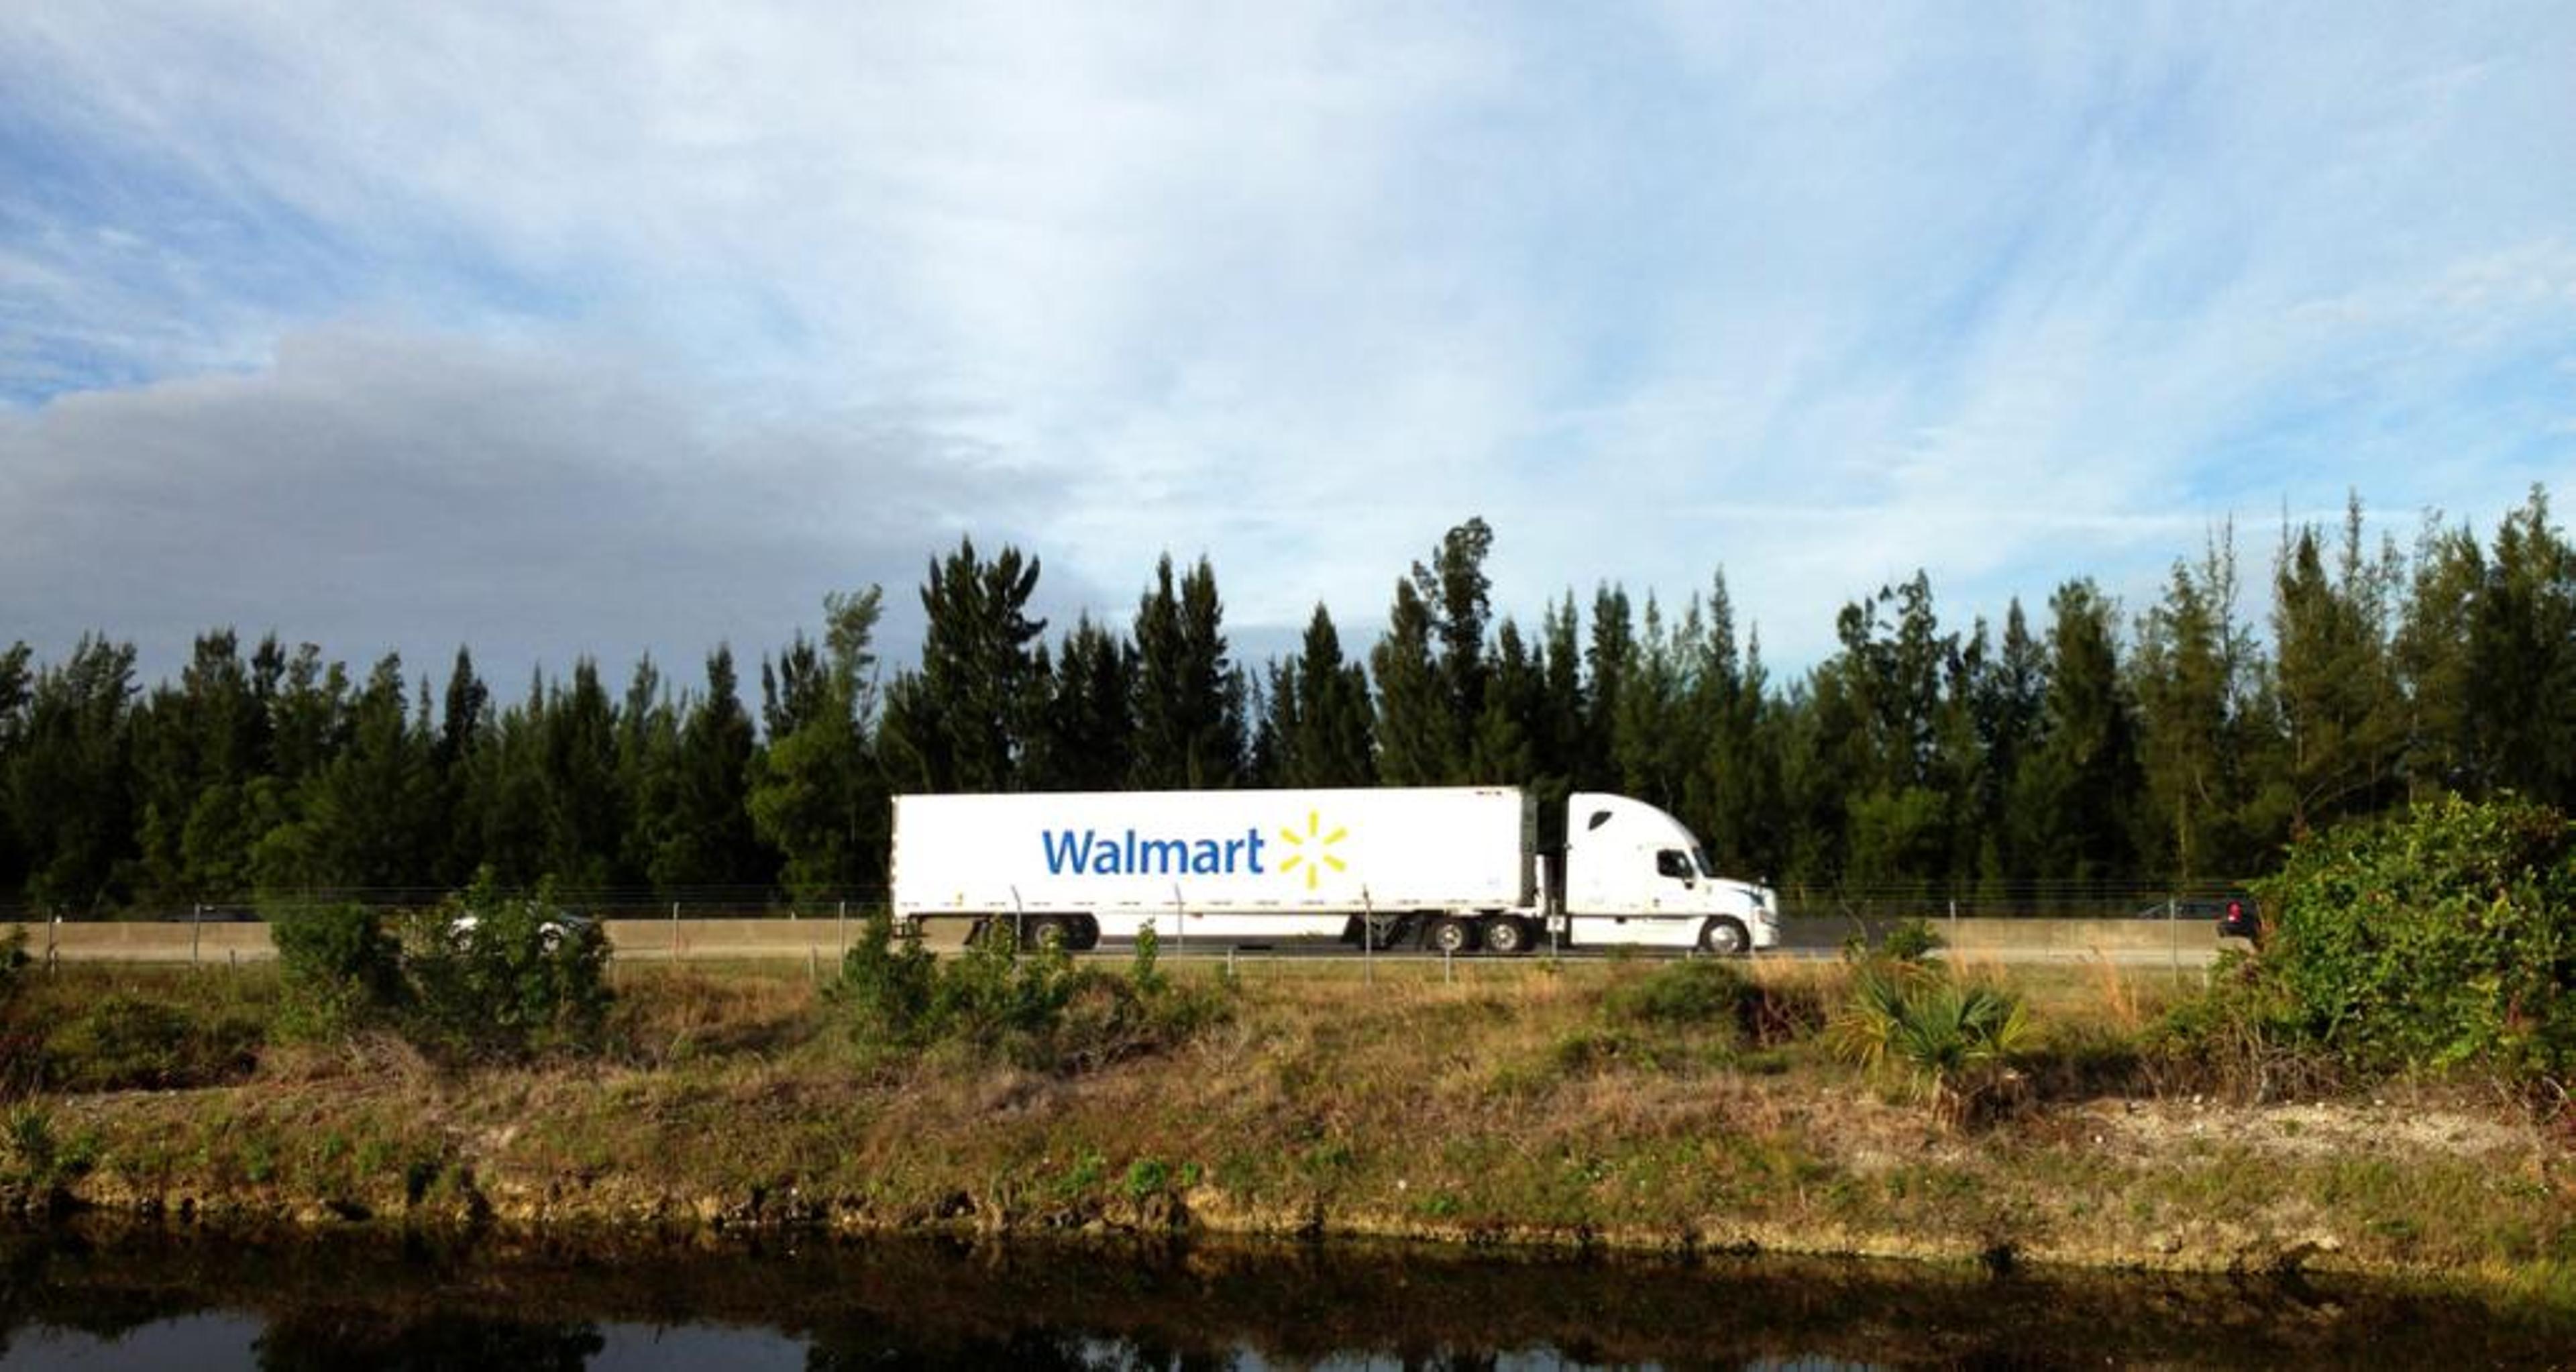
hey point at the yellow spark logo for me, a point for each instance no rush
(1316, 858)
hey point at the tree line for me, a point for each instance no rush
(2085, 746)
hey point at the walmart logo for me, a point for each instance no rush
(1312, 850)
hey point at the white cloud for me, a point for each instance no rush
(801, 296)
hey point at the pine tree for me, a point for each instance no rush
(2431, 655)
(1088, 741)
(1500, 751)
(2522, 655)
(1324, 723)
(2082, 784)
(71, 780)
(465, 726)
(1190, 730)
(648, 772)
(2341, 723)
(17, 681)
(964, 721)
(2190, 672)
(709, 841)
(1412, 725)
(816, 793)
(1607, 662)
(364, 824)
(198, 747)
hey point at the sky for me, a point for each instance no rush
(554, 330)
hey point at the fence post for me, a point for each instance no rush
(1368, 937)
(196, 924)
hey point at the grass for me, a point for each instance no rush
(1659, 1105)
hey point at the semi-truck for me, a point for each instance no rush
(1451, 869)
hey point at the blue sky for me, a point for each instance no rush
(555, 330)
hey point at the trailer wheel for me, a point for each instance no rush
(1506, 935)
(1449, 935)
(1725, 938)
(1050, 931)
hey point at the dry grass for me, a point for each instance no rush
(1509, 1103)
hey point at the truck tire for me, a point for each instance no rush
(1449, 935)
(1725, 937)
(1056, 931)
(1506, 935)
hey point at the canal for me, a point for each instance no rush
(141, 1297)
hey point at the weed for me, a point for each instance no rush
(1146, 1177)
(122, 1041)
(1953, 1037)
(30, 1140)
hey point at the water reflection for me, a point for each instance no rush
(89, 1296)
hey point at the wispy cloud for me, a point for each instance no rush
(776, 302)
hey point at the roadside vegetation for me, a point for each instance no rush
(2382, 1086)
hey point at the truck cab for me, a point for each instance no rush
(1636, 875)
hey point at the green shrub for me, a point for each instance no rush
(1700, 991)
(490, 975)
(1035, 1008)
(2441, 936)
(1912, 940)
(1953, 1036)
(885, 985)
(340, 970)
(122, 1042)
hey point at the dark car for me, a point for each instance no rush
(2236, 913)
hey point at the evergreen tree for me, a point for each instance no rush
(1500, 751)
(1089, 739)
(963, 722)
(510, 787)
(465, 725)
(648, 772)
(363, 821)
(1559, 733)
(709, 841)
(198, 748)
(2431, 654)
(585, 804)
(2011, 710)
(816, 794)
(1190, 728)
(70, 780)
(2340, 721)
(1412, 725)
(2081, 786)
(17, 681)
(1459, 593)
(1649, 743)
(2192, 690)
(1607, 661)
(2522, 659)
(1320, 712)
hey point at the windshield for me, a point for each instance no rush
(1699, 859)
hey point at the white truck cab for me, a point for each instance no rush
(1636, 875)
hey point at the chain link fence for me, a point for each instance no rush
(1871, 904)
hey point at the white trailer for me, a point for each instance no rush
(1448, 868)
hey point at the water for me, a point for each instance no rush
(148, 1299)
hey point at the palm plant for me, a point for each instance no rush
(1953, 1038)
